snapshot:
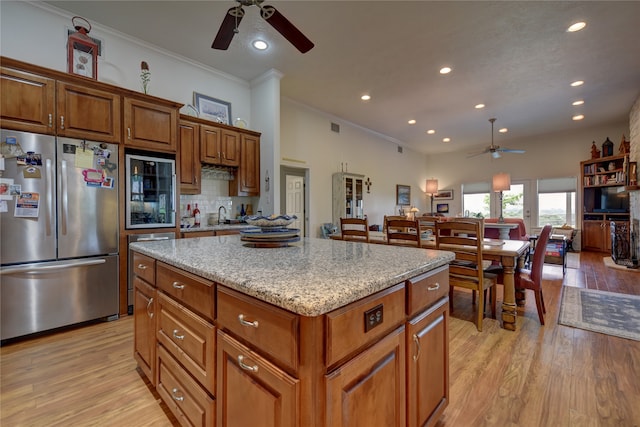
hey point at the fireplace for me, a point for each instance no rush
(620, 244)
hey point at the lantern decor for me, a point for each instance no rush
(82, 51)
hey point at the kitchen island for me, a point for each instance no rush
(320, 333)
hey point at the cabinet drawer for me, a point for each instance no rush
(270, 329)
(190, 290)
(349, 328)
(189, 338)
(190, 404)
(426, 289)
(144, 267)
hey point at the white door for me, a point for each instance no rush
(518, 202)
(295, 200)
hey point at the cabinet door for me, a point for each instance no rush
(150, 126)
(210, 148)
(247, 180)
(27, 102)
(252, 391)
(144, 342)
(593, 236)
(190, 166)
(230, 147)
(428, 366)
(88, 113)
(369, 390)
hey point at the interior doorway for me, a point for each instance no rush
(294, 188)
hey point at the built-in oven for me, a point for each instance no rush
(150, 192)
(150, 237)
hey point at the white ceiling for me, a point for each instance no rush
(514, 57)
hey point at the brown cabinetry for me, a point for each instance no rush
(247, 180)
(189, 167)
(219, 146)
(151, 125)
(28, 101)
(144, 311)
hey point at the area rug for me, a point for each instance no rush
(573, 260)
(599, 311)
(611, 264)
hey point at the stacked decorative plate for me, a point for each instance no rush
(272, 231)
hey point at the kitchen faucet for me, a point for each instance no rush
(219, 216)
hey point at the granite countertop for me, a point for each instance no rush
(310, 277)
(216, 227)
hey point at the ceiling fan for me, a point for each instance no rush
(495, 150)
(229, 26)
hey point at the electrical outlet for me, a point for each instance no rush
(373, 317)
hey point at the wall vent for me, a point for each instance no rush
(399, 149)
(335, 127)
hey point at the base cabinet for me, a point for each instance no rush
(596, 236)
(253, 391)
(144, 315)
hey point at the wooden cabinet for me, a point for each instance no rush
(428, 365)
(596, 235)
(247, 180)
(378, 371)
(189, 166)
(40, 104)
(151, 125)
(144, 311)
(192, 234)
(251, 390)
(219, 146)
(347, 196)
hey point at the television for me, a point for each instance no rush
(609, 200)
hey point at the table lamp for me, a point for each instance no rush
(432, 188)
(414, 211)
(501, 182)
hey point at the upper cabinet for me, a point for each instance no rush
(151, 125)
(35, 103)
(190, 166)
(219, 146)
(247, 181)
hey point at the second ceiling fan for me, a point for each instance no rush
(229, 26)
(495, 150)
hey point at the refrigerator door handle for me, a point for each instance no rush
(49, 174)
(65, 197)
(151, 239)
(45, 268)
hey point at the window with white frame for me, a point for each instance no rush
(557, 201)
(476, 199)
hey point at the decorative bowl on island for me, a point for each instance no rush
(270, 221)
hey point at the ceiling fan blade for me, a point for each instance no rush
(512, 150)
(228, 28)
(286, 28)
(469, 155)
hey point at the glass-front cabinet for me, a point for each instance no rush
(151, 192)
(347, 196)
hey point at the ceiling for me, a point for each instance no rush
(515, 57)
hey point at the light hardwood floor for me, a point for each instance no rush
(538, 376)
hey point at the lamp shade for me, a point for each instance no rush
(414, 210)
(501, 182)
(432, 186)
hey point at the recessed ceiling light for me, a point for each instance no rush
(503, 130)
(445, 70)
(412, 122)
(576, 27)
(479, 106)
(578, 102)
(365, 97)
(446, 139)
(577, 117)
(431, 131)
(260, 44)
(577, 83)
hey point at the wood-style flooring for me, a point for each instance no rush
(548, 375)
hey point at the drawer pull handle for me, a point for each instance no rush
(61, 122)
(50, 120)
(253, 368)
(247, 323)
(177, 285)
(176, 397)
(434, 287)
(149, 313)
(176, 336)
(142, 266)
(416, 339)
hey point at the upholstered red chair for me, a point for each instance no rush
(532, 279)
(518, 233)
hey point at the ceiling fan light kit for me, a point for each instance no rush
(231, 22)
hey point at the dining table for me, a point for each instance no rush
(509, 253)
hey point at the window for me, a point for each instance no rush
(476, 199)
(557, 201)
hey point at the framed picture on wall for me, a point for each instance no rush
(442, 208)
(443, 195)
(212, 109)
(403, 195)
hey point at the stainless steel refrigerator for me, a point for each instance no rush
(59, 232)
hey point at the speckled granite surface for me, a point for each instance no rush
(216, 227)
(310, 277)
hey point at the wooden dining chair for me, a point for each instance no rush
(427, 223)
(532, 279)
(403, 232)
(388, 218)
(355, 229)
(464, 237)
